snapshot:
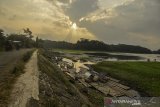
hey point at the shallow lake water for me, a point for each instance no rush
(145, 57)
(79, 64)
(95, 59)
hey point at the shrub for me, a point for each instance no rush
(27, 56)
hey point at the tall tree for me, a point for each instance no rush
(37, 42)
(2, 39)
(28, 32)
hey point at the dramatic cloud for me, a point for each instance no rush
(80, 8)
(46, 18)
(106, 10)
(135, 22)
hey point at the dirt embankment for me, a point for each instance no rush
(11, 66)
(48, 87)
(26, 86)
(55, 89)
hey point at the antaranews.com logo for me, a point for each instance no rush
(132, 102)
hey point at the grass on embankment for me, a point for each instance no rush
(144, 76)
(19, 68)
(9, 78)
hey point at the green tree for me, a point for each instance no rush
(2, 39)
(28, 32)
(37, 42)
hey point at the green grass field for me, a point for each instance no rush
(73, 51)
(144, 76)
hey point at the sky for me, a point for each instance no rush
(133, 22)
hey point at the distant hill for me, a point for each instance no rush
(94, 45)
(156, 52)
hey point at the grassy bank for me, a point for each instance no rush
(19, 67)
(10, 74)
(72, 51)
(144, 76)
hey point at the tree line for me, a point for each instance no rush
(25, 40)
(95, 45)
(15, 41)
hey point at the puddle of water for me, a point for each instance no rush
(78, 65)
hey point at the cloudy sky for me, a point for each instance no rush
(134, 22)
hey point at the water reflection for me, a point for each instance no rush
(78, 65)
(151, 57)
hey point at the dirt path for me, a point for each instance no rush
(26, 86)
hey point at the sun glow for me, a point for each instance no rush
(74, 26)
